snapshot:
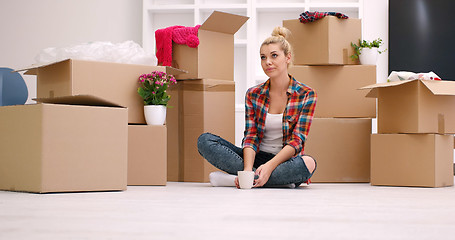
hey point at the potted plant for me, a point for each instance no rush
(152, 89)
(367, 51)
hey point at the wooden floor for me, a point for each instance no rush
(199, 211)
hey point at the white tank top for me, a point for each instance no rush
(272, 141)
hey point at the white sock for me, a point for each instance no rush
(290, 185)
(221, 179)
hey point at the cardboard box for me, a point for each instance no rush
(337, 89)
(205, 105)
(115, 82)
(147, 155)
(174, 122)
(416, 160)
(63, 148)
(341, 147)
(214, 57)
(415, 106)
(324, 42)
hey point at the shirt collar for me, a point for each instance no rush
(292, 84)
(291, 87)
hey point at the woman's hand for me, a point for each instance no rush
(264, 171)
(236, 181)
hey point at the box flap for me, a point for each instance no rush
(31, 70)
(175, 71)
(440, 87)
(436, 87)
(224, 22)
(373, 93)
(86, 100)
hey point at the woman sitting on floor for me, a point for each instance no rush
(278, 115)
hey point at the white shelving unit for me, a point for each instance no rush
(264, 16)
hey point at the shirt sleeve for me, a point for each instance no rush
(250, 138)
(300, 132)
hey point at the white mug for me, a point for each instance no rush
(246, 179)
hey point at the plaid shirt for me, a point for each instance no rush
(297, 116)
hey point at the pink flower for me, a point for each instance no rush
(153, 92)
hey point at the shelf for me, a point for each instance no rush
(273, 7)
(240, 42)
(221, 7)
(267, 7)
(355, 5)
(171, 8)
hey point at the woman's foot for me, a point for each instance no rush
(221, 179)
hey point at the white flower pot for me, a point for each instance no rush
(368, 56)
(155, 114)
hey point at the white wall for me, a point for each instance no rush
(29, 26)
(375, 23)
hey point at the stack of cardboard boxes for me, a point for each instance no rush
(414, 145)
(339, 137)
(203, 100)
(88, 132)
(76, 137)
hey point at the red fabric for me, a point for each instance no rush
(179, 34)
(186, 34)
(163, 38)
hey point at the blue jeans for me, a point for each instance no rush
(227, 157)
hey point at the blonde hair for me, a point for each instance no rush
(280, 36)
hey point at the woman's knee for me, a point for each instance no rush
(204, 140)
(309, 162)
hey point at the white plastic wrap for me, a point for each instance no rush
(126, 52)
(401, 76)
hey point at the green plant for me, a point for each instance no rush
(366, 44)
(153, 87)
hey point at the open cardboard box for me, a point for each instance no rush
(198, 106)
(337, 89)
(415, 106)
(418, 160)
(326, 41)
(147, 155)
(115, 82)
(214, 57)
(341, 147)
(50, 147)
